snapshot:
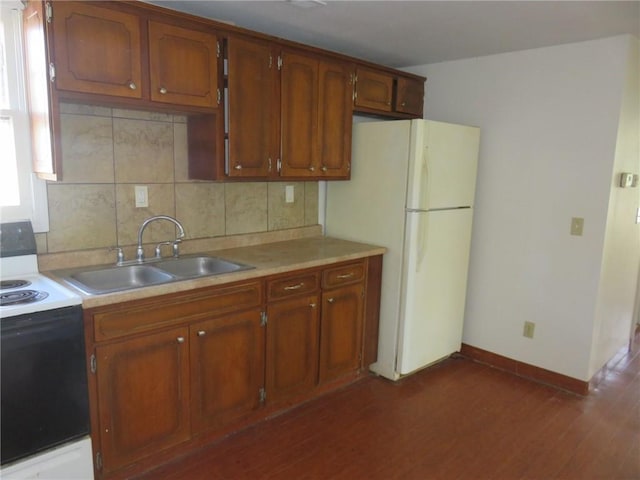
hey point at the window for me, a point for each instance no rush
(22, 194)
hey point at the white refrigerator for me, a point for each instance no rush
(412, 189)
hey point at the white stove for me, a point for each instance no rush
(44, 398)
(24, 290)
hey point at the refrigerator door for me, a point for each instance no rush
(443, 165)
(370, 208)
(435, 268)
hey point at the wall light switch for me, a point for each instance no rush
(577, 225)
(142, 196)
(289, 195)
(626, 179)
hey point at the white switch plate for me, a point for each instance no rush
(142, 196)
(577, 225)
(289, 196)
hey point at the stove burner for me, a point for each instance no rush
(7, 284)
(21, 296)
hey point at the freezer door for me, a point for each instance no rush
(443, 165)
(434, 286)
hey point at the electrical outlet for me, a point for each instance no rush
(529, 329)
(289, 194)
(577, 225)
(141, 196)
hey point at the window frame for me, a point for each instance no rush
(33, 191)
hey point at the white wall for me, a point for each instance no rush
(549, 120)
(615, 306)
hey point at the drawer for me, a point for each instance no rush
(343, 274)
(144, 315)
(293, 285)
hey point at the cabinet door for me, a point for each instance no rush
(335, 112)
(374, 90)
(143, 401)
(341, 332)
(299, 115)
(44, 118)
(410, 96)
(253, 103)
(97, 50)
(183, 66)
(227, 361)
(292, 348)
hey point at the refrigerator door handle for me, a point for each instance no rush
(424, 179)
(423, 225)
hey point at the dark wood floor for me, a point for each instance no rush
(456, 420)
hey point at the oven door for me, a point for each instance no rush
(44, 401)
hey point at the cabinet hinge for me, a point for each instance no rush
(218, 49)
(263, 395)
(279, 62)
(98, 461)
(48, 12)
(263, 318)
(219, 96)
(52, 72)
(93, 363)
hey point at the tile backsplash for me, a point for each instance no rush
(107, 151)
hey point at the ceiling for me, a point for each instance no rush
(404, 33)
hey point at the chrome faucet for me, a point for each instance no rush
(179, 237)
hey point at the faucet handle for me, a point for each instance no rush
(176, 247)
(119, 254)
(159, 246)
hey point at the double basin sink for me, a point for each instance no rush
(109, 279)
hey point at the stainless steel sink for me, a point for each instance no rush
(108, 279)
(190, 267)
(114, 279)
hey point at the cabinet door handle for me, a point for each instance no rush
(345, 275)
(201, 333)
(312, 169)
(294, 287)
(403, 104)
(324, 169)
(180, 339)
(163, 90)
(132, 85)
(312, 305)
(238, 167)
(331, 300)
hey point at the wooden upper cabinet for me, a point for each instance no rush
(374, 90)
(183, 66)
(253, 108)
(335, 117)
(44, 119)
(410, 96)
(299, 115)
(386, 93)
(97, 50)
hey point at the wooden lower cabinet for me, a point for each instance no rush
(172, 373)
(227, 369)
(292, 348)
(341, 332)
(143, 405)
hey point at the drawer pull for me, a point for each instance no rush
(345, 275)
(312, 305)
(201, 333)
(331, 300)
(163, 90)
(294, 287)
(132, 85)
(180, 339)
